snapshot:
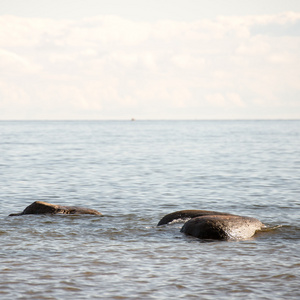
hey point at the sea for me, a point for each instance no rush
(134, 173)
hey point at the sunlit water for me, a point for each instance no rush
(135, 173)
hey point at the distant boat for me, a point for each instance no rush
(132, 119)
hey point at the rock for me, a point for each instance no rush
(205, 224)
(222, 227)
(40, 207)
(184, 215)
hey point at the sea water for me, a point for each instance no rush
(134, 173)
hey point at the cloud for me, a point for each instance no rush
(13, 63)
(109, 67)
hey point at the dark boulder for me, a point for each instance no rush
(184, 215)
(222, 227)
(206, 224)
(40, 207)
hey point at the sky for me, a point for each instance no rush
(166, 59)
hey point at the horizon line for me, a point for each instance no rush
(134, 120)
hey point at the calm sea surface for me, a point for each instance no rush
(135, 173)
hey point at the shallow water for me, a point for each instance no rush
(135, 173)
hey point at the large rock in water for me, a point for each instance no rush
(184, 215)
(40, 207)
(222, 227)
(214, 225)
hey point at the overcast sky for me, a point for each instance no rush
(167, 59)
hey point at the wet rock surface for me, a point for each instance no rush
(222, 227)
(40, 207)
(214, 225)
(184, 215)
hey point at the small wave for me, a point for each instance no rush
(184, 220)
(281, 232)
(271, 228)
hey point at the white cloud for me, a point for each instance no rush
(226, 100)
(256, 46)
(11, 62)
(110, 67)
